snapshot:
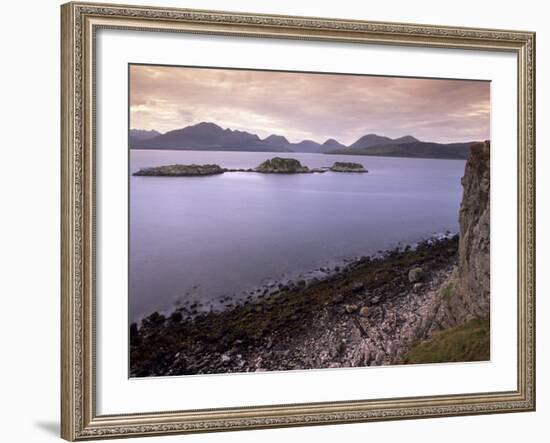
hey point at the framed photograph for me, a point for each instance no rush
(282, 221)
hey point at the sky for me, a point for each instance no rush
(309, 106)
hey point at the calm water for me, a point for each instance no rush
(202, 238)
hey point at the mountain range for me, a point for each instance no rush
(143, 134)
(416, 149)
(210, 136)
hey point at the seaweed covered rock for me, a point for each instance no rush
(180, 170)
(278, 165)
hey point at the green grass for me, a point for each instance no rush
(467, 342)
(448, 291)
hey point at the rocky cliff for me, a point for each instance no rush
(466, 294)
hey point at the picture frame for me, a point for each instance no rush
(81, 22)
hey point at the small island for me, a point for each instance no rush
(180, 171)
(347, 167)
(276, 165)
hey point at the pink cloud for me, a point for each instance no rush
(314, 106)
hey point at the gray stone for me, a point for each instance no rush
(338, 298)
(416, 274)
(375, 300)
(364, 311)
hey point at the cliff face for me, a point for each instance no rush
(466, 295)
(474, 246)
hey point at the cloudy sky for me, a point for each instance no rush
(309, 106)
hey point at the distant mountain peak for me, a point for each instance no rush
(406, 139)
(369, 140)
(206, 125)
(143, 134)
(274, 139)
(331, 143)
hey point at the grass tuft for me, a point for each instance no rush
(448, 291)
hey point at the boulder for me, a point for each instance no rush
(357, 287)
(416, 274)
(338, 298)
(376, 299)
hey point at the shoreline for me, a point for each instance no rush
(323, 271)
(363, 313)
(329, 154)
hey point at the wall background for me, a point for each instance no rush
(29, 220)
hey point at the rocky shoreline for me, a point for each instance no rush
(369, 312)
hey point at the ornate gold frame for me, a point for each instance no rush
(79, 420)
